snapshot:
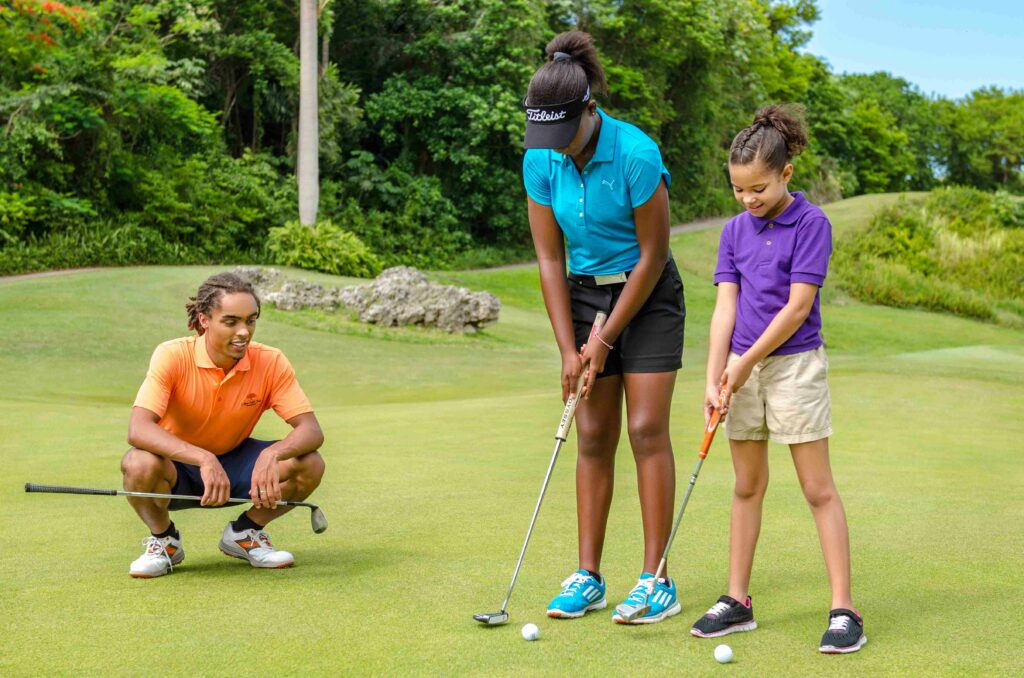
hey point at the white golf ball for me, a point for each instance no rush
(530, 632)
(723, 653)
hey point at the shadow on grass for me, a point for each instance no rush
(311, 563)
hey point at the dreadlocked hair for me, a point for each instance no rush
(776, 136)
(560, 79)
(209, 294)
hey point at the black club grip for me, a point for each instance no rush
(32, 487)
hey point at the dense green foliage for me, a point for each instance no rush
(959, 250)
(323, 247)
(175, 119)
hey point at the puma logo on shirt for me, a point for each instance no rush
(610, 184)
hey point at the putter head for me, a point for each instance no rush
(318, 520)
(629, 613)
(491, 618)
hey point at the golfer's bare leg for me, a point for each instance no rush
(299, 477)
(598, 425)
(648, 404)
(750, 462)
(815, 474)
(144, 471)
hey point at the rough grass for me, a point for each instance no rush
(436, 449)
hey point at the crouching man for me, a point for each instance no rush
(190, 428)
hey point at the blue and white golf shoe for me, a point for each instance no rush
(581, 593)
(662, 601)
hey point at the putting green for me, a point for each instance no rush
(436, 447)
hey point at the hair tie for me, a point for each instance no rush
(561, 56)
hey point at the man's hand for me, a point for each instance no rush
(265, 489)
(217, 487)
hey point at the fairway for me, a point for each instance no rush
(436, 448)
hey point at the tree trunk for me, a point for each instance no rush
(308, 165)
(325, 46)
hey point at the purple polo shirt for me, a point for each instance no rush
(765, 256)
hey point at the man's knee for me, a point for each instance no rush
(309, 470)
(142, 469)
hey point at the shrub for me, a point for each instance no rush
(101, 244)
(405, 218)
(324, 247)
(958, 250)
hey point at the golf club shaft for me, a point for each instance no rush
(58, 489)
(563, 432)
(709, 435)
(533, 521)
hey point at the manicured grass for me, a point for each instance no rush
(436, 450)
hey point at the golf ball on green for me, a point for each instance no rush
(530, 632)
(723, 653)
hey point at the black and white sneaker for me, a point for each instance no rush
(726, 616)
(845, 632)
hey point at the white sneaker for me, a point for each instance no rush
(162, 554)
(254, 546)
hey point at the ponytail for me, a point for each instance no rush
(776, 136)
(573, 66)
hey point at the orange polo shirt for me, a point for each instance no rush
(198, 403)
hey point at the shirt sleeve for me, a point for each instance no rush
(725, 269)
(644, 171)
(286, 396)
(536, 178)
(811, 252)
(155, 392)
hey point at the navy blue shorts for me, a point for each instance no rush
(238, 464)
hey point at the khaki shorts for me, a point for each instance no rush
(785, 400)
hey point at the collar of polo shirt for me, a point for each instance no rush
(605, 151)
(788, 217)
(203, 357)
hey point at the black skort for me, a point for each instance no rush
(653, 340)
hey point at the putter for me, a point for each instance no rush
(316, 518)
(628, 613)
(496, 618)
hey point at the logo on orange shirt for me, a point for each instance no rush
(251, 400)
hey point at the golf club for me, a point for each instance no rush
(316, 518)
(628, 613)
(495, 618)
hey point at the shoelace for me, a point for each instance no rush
(717, 609)
(260, 537)
(639, 591)
(571, 585)
(156, 547)
(839, 623)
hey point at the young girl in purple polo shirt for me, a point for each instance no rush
(767, 366)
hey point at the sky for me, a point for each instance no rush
(945, 47)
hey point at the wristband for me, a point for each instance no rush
(601, 339)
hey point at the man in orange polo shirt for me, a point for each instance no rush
(190, 429)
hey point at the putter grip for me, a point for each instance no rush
(32, 487)
(574, 398)
(709, 433)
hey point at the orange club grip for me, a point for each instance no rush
(709, 432)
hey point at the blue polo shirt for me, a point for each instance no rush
(594, 208)
(765, 256)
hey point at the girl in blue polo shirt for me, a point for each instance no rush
(767, 366)
(598, 198)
